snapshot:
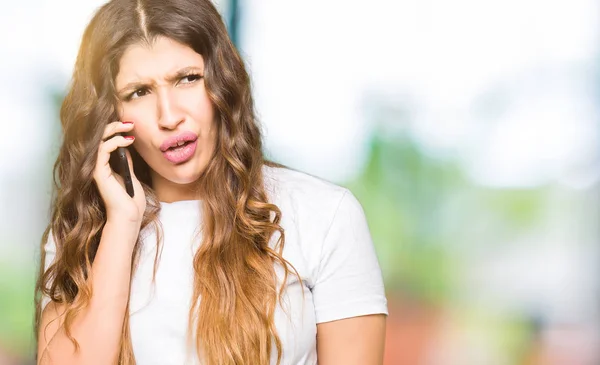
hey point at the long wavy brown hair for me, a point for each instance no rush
(235, 265)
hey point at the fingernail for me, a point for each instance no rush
(129, 137)
(127, 122)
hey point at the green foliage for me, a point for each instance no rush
(424, 214)
(16, 307)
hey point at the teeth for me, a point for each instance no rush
(178, 144)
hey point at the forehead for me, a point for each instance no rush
(155, 61)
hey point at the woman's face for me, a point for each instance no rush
(161, 90)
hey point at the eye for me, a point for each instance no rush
(138, 93)
(189, 79)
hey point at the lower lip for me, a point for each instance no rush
(181, 155)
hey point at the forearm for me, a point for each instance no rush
(99, 326)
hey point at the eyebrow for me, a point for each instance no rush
(171, 78)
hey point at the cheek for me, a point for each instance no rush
(142, 119)
(139, 113)
(199, 107)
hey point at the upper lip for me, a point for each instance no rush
(174, 140)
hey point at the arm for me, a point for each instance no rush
(98, 327)
(349, 296)
(352, 341)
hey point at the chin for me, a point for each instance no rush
(184, 174)
(182, 178)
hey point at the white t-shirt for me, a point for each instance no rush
(327, 240)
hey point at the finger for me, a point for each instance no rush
(116, 127)
(110, 145)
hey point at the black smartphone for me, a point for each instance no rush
(119, 163)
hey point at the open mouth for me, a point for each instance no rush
(181, 153)
(180, 146)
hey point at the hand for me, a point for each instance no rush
(119, 205)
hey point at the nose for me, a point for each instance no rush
(169, 113)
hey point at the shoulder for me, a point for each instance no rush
(303, 192)
(314, 211)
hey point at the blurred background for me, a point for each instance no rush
(468, 129)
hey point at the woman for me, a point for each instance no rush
(220, 257)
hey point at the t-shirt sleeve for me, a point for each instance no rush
(349, 281)
(50, 251)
